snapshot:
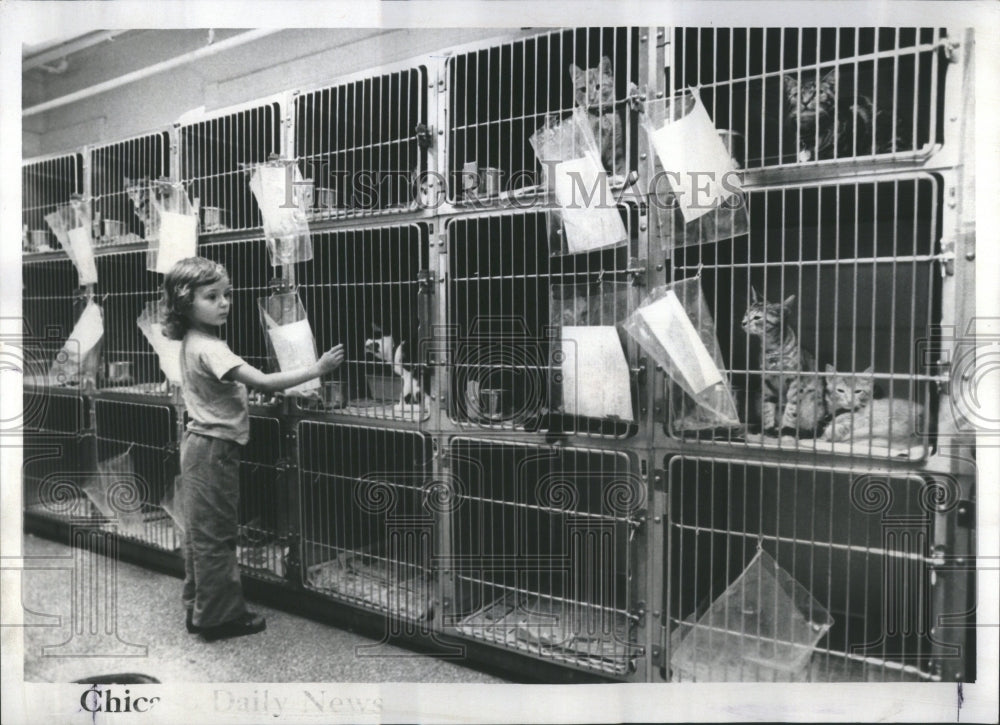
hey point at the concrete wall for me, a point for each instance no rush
(288, 60)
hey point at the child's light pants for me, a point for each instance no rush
(210, 488)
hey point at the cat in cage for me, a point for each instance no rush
(382, 346)
(594, 90)
(859, 416)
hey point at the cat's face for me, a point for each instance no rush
(810, 102)
(763, 317)
(380, 347)
(848, 392)
(594, 87)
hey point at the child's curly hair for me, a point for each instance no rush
(178, 292)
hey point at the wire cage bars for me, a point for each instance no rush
(137, 462)
(509, 303)
(857, 544)
(46, 185)
(542, 549)
(822, 311)
(367, 526)
(213, 154)
(114, 169)
(798, 96)
(362, 290)
(265, 514)
(499, 96)
(363, 145)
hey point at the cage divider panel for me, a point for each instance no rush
(367, 528)
(148, 434)
(113, 169)
(360, 144)
(854, 255)
(46, 185)
(857, 543)
(498, 96)
(213, 154)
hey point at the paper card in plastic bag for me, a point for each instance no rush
(295, 349)
(83, 254)
(595, 373)
(668, 321)
(118, 493)
(590, 217)
(72, 360)
(286, 225)
(168, 351)
(696, 160)
(178, 239)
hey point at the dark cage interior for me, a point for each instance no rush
(265, 517)
(49, 310)
(362, 285)
(56, 453)
(117, 167)
(814, 94)
(500, 96)
(859, 259)
(47, 185)
(542, 548)
(856, 543)
(361, 143)
(213, 156)
(367, 524)
(508, 300)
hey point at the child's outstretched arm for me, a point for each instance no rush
(273, 382)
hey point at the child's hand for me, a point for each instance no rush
(331, 359)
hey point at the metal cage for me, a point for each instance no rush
(265, 513)
(363, 144)
(543, 552)
(367, 528)
(47, 184)
(51, 303)
(213, 154)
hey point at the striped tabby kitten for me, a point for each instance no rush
(781, 360)
(885, 421)
(594, 90)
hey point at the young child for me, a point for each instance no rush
(197, 295)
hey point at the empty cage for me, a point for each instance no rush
(509, 302)
(858, 544)
(137, 462)
(857, 265)
(542, 546)
(364, 144)
(46, 185)
(126, 287)
(263, 542)
(367, 527)
(115, 168)
(213, 155)
(800, 96)
(363, 289)
(499, 96)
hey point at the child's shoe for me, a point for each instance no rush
(192, 628)
(247, 623)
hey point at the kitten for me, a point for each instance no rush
(781, 361)
(886, 421)
(830, 120)
(382, 346)
(594, 90)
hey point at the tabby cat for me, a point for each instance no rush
(594, 90)
(830, 121)
(884, 421)
(782, 359)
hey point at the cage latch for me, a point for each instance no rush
(636, 272)
(636, 98)
(950, 48)
(293, 563)
(947, 257)
(425, 281)
(425, 135)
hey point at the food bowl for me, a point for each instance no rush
(213, 218)
(384, 388)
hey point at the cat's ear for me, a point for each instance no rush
(790, 83)
(574, 72)
(830, 368)
(869, 370)
(787, 304)
(829, 78)
(754, 297)
(605, 67)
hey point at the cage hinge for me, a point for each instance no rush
(965, 514)
(947, 257)
(425, 135)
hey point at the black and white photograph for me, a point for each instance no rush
(500, 361)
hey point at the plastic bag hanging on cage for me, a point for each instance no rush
(284, 210)
(571, 166)
(72, 226)
(168, 351)
(172, 232)
(289, 336)
(118, 493)
(675, 327)
(694, 187)
(763, 627)
(573, 307)
(79, 357)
